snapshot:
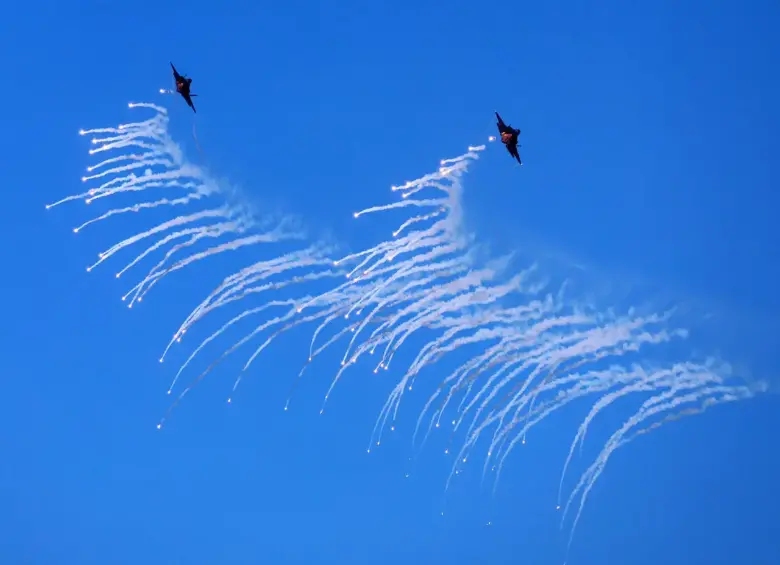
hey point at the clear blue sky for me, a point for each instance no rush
(649, 139)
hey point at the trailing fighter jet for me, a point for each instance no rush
(183, 87)
(509, 137)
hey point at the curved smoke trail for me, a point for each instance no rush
(533, 352)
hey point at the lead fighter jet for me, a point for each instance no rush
(183, 87)
(509, 137)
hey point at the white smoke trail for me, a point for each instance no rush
(531, 352)
(151, 163)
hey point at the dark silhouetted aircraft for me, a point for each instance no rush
(509, 137)
(183, 87)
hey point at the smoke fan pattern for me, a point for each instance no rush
(536, 351)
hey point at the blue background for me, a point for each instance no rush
(649, 139)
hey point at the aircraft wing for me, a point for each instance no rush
(190, 104)
(512, 148)
(501, 124)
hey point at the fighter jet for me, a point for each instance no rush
(183, 87)
(509, 137)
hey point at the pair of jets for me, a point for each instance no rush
(509, 134)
